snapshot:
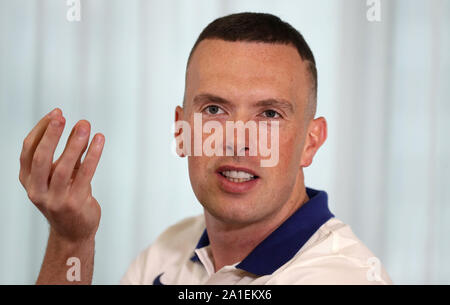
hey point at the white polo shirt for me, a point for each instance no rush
(310, 247)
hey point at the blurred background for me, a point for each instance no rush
(384, 88)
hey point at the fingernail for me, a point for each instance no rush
(57, 122)
(82, 132)
(53, 113)
(99, 140)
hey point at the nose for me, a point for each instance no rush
(243, 151)
(240, 135)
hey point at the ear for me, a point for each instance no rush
(178, 114)
(179, 130)
(315, 137)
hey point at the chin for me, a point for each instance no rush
(236, 212)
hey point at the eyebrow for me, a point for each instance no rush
(270, 102)
(206, 97)
(277, 103)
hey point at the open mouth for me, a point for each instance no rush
(237, 180)
(238, 176)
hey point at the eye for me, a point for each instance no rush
(271, 114)
(213, 109)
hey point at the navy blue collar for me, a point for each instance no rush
(283, 243)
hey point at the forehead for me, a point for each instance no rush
(246, 70)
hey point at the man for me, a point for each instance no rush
(261, 225)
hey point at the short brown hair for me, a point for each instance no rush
(262, 27)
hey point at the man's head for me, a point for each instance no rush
(252, 67)
(266, 28)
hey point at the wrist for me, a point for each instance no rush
(63, 244)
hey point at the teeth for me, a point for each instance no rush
(238, 176)
(239, 180)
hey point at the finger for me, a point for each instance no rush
(43, 156)
(87, 169)
(55, 164)
(31, 141)
(63, 171)
(68, 140)
(77, 164)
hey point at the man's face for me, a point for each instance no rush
(247, 81)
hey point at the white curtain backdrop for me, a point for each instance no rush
(383, 87)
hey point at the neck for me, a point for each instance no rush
(231, 243)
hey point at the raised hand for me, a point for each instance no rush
(61, 190)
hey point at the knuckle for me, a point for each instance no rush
(71, 202)
(31, 195)
(56, 209)
(53, 210)
(71, 206)
(38, 159)
(98, 207)
(35, 196)
(84, 170)
(60, 173)
(26, 145)
(22, 158)
(22, 179)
